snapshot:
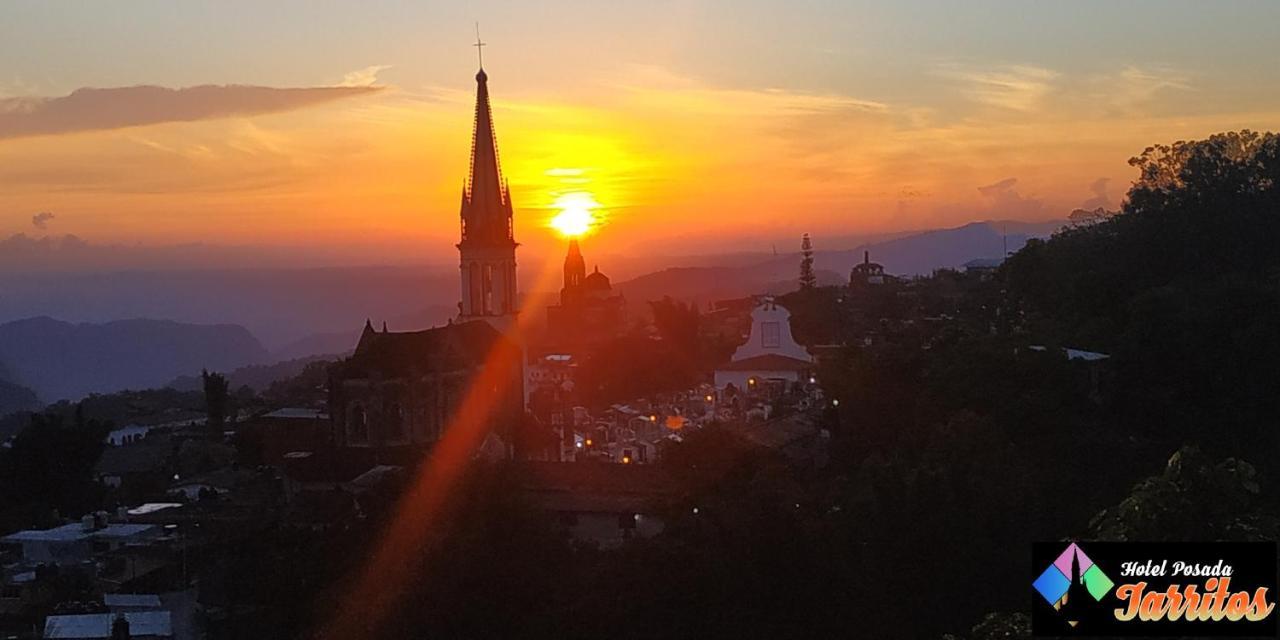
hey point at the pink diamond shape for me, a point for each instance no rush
(1063, 563)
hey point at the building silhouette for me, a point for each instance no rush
(589, 311)
(487, 249)
(399, 391)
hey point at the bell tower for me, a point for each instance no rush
(488, 247)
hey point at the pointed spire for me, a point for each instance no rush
(575, 268)
(486, 203)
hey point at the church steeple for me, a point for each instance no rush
(485, 211)
(575, 268)
(487, 244)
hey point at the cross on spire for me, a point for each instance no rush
(478, 45)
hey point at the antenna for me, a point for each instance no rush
(478, 45)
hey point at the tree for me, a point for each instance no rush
(217, 398)
(808, 280)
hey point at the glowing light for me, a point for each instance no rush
(626, 459)
(576, 217)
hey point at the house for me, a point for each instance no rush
(274, 435)
(76, 542)
(770, 353)
(141, 625)
(141, 463)
(599, 504)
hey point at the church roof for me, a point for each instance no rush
(597, 280)
(767, 362)
(449, 348)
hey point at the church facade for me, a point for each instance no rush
(399, 391)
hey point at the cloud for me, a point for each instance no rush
(99, 109)
(1134, 89)
(364, 77)
(1014, 87)
(1006, 201)
(1100, 198)
(41, 220)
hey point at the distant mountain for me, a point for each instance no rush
(913, 254)
(923, 253)
(338, 342)
(15, 397)
(257, 377)
(278, 306)
(61, 360)
(707, 284)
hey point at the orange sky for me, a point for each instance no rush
(675, 158)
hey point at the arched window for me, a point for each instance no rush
(357, 425)
(477, 291)
(395, 422)
(488, 289)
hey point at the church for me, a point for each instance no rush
(589, 311)
(397, 393)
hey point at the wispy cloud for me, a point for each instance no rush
(364, 77)
(1014, 87)
(1133, 89)
(99, 109)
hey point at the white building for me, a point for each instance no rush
(769, 354)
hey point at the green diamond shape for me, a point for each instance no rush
(1096, 582)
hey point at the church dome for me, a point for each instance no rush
(597, 281)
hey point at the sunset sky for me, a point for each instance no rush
(692, 124)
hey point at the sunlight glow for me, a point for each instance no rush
(575, 217)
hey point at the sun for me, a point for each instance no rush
(575, 217)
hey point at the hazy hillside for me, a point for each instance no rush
(257, 377)
(15, 397)
(278, 306)
(60, 360)
(919, 253)
(302, 312)
(922, 253)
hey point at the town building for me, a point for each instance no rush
(488, 248)
(589, 311)
(603, 505)
(867, 272)
(399, 391)
(770, 356)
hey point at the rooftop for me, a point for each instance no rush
(98, 625)
(131, 601)
(76, 531)
(767, 362)
(296, 413)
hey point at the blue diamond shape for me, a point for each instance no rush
(1052, 584)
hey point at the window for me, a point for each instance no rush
(395, 422)
(770, 335)
(357, 427)
(488, 289)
